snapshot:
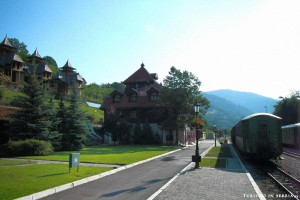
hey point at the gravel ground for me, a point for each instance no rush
(290, 165)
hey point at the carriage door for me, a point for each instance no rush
(263, 138)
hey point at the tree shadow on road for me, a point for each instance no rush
(133, 189)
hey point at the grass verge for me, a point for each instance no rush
(223, 151)
(216, 157)
(18, 181)
(213, 163)
(121, 154)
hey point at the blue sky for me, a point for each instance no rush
(251, 46)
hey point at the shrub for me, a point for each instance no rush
(30, 147)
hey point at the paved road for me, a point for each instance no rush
(135, 183)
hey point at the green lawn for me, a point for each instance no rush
(22, 180)
(120, 154)
(215, 157)
(17, 181)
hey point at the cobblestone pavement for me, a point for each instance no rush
(210, 183)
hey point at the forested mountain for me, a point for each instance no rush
(224, 113)
(254, 102)
(227, 107)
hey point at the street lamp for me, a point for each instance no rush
(215, 130)
(196, 158)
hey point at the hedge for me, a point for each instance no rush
(29, 147)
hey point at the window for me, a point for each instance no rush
(133, 98)
(117, 98)
(132, 115)
(153, 96)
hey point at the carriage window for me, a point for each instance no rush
(263, 130)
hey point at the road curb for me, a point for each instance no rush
(61, 188)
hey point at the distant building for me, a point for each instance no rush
(11, 66)
(65, 78)
(13, 71)
(139, 105)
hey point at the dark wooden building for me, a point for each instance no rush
(11, 66)
(138, 104)
(13, 71)
(65, 78)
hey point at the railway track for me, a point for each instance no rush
(290, 184)
(292, 154)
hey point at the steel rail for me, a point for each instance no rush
(282, 184)
(292, 154)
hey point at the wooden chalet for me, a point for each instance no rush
(138, 104)
(13, 68)
(65, 78)
(42, 69)
(11, 65)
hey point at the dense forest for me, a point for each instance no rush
(96, 93)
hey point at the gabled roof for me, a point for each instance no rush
(36, 54)
(116, 92)
(68, 67)
(11, 57)
(141, 75)
(43, 68)
(67, 77)
(131, 91)
(6, 42)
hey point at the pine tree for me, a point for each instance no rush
(34, 120)
(74, 122)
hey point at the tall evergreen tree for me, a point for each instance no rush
(34, 120)
(74, 133)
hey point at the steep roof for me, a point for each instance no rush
(6, 42)
(67, 77)
(7, 112)
(11, 57)
(36, 54)
(68, 67)
(43, 68)
(141, 75)
(7, 45)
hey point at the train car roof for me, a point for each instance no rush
(291, 125)
(261, 114)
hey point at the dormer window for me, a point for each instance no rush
(153, 96)
(117, 98)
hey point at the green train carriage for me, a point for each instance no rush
(258, 136)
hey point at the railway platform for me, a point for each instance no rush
(232, 182)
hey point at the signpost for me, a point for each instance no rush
(74, 160)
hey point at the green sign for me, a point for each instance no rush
(74, 160)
